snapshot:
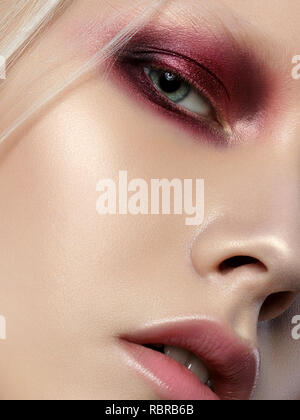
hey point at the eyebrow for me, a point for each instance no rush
(220, 20)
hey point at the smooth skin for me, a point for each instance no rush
(72, 281)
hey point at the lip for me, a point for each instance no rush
(233, 363)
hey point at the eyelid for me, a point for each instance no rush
(182, 56)
(129, 67)
(201, 78)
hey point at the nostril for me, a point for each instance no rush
(275, 305)
(239, 261)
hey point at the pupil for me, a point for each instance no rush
(169, 82)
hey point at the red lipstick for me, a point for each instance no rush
(232, 363)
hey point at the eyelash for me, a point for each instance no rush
(132, 68)
(214, 112)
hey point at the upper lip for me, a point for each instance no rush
(232, 362)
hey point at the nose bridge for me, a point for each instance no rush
(266, 184)
(248, 247)
(247, 250)
(255, 206)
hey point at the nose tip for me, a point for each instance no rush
(262, 271)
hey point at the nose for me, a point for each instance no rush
(250, 262)
(261, 272)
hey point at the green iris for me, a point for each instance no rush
(171, 85)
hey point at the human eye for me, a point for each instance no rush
(179, 91)
(178, 88)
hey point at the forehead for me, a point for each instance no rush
(276, 21)
(268, 29)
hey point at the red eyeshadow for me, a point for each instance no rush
(242, 74)
(230, 76)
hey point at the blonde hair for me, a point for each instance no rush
(24, 21)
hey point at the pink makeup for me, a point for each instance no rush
(236, 83)
(232, 364)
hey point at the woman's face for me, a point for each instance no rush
(74, 281)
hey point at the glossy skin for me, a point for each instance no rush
(72, 281)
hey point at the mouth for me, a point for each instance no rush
(194, 360)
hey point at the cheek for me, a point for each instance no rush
(48, 208)
(66, 271)
(49, 223)
(48, 205)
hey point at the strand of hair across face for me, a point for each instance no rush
(30, 28)
(118, 41)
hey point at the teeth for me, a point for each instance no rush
(190, 361)
(178, 354)
(198, 368)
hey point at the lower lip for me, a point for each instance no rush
(171, 380)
